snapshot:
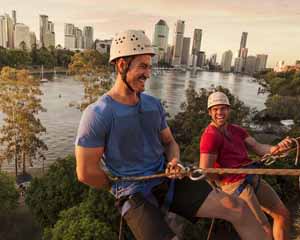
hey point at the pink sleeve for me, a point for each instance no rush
(210, 142)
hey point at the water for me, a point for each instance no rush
(61, 120)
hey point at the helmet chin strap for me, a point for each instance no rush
(124, 74)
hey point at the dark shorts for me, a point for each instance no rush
(146, 221)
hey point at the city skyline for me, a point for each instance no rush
(272, 27)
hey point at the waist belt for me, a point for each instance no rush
(160, 196)
(249, 180)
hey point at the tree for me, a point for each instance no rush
(20, 102)
(58, 190)
(77, 223)
(18, 58)
(91, 68)
(94, 218)
(63, 57)
(3, 57)
(23, 46)
(8, 194)
(44, 57)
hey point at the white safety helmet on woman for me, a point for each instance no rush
(217, 98)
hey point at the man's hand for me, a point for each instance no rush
(282, 146)
(174, 169)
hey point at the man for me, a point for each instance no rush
(225, 145)
(128, 129)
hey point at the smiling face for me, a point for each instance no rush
(219, 114)
(139, 71)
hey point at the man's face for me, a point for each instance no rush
(219, 114)
(139, 71)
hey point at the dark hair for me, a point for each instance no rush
(128, 60)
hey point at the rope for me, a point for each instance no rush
(269, 158)
(199, 173)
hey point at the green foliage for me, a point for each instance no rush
(20, 102)
(68, 209)
(8, 194)
(20, 58)
(284, 98)
(95, 218)
(188, 124)
(283, 83)
(283, 107)
(90, 67)
(44, 57)
(59, 189)
(78, 223)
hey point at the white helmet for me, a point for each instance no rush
(217, 98)
(130, 43)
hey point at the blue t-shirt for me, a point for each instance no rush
(130, 135)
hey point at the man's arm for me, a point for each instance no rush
(172, 151)
(207, 160)
(171, 147)
(262, 149)
(88, 167)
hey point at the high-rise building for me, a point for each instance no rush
(14, 16)
(185, 51)
(243, 53)
(88, 37)
(43, 29)
(169, 54)
(197, 39)
(238, 64)
(201, 57)
(160, 39)
(213, 60)
(69, 29)
(47, 34)
(250, 65)
(33, 41)
(50, 26)
(22, 37)
(261, 62)
(103, 46)
(78, 38)
(73, 37)
(178, 42)
(6, 31)
(70, 39)
(243, 42)
(226, 61)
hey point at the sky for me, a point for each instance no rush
(273, 26)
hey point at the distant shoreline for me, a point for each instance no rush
(58, 70)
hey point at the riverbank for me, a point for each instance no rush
(57, 70)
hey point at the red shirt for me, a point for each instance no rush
(231, 150)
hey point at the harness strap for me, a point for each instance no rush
(169, 197)
(249, 180)
(132, 201)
